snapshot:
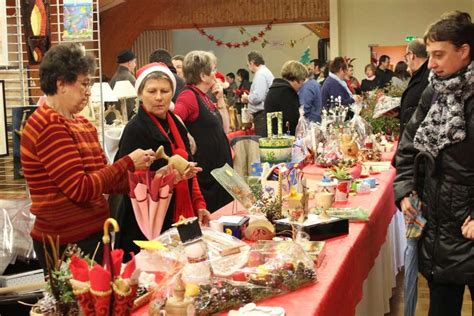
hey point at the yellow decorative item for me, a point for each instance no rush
(191, 290)
(35, 20)
(150, 245)
(349, 146)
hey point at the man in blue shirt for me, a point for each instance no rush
(310, 99)
(262, 80)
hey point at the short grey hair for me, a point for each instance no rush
(198, 62)
(256, 57)
(418, 48)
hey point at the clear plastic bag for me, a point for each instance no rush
(234, 184)
(272, 268)
(303, 126)
(16, 223)
(359, 125)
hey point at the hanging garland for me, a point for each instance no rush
(251, 39)
(265, 42)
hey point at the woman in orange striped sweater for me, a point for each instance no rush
(63, 163)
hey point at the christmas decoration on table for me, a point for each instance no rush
(305, 59)
(150, 194)
(295, 204)
(275, 149)
(359, 125)
(349, 146)
(368, 154)
(344, 179)
(104, 289)
(259, 228)
(268, 204)
(226, 253)
(353, 214)
(234, 185)
(383, 124)
(386, 104)
(272, 268)
(58, 298)
(324, 200)
(77, 285)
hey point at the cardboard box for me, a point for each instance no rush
(235, 225)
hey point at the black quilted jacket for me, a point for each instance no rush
(448, 196)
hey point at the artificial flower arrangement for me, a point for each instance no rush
(79, 286)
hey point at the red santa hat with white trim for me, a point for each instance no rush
(154, 67)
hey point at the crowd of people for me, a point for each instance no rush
(183, 106)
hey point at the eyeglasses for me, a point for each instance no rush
(406, 55)
(86, 84)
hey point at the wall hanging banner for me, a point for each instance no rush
(35, 15)
(78, 23)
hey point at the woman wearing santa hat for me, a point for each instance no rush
(152, 127)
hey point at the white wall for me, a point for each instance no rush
(386, 22)
(229, 60)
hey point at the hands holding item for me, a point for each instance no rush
(467, 228)
(190, 172)
(204, 216)
(408, 209)
(142, 159)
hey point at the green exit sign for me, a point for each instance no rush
(409, 38)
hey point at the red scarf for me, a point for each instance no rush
(182, 203)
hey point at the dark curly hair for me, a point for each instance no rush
(64, 62)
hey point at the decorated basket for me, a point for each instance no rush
(275, 149)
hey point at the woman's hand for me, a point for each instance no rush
(204, 216)
(217, 90)
(190, 172)
(468, 228)
(142, 159)
(407, 209)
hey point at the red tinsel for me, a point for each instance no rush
(245, 43)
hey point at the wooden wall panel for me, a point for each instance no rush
(123, 23)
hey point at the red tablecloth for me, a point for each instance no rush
(348, 259)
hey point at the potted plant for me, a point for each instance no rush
(58, 298)
(344, 180)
